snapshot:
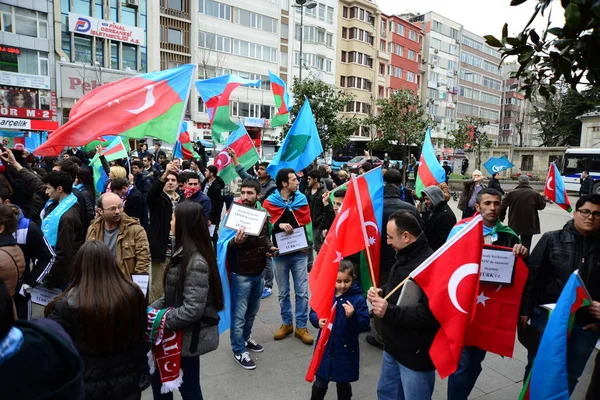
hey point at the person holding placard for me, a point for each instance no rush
(292, 229)
(487, 204)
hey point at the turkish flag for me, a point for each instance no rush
(497, 312)
(315, 362)
(450, 279)
(344, 238)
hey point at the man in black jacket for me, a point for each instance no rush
(247, 258)
(162, 199)
(392, 202)
(587, 183)
(556, 256)
(407, 370)
(134, 202)
(438, 217)
(213, 187)
(314, 194)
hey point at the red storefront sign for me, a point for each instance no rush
(17, 112)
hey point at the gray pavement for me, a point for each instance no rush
(282, 366)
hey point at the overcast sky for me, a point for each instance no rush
(482, 17)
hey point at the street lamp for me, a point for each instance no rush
(301, 4)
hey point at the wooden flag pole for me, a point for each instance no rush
(362, 222)
(397, 287)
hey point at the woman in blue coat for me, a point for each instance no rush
(341, 358)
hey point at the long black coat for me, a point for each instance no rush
(161, 211)
(438, 224)
(523, 204)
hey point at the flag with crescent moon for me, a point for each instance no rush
(450, 279)
(497, 164)
(144, 105)
(346, 237)
(555, 189)
(240, 142)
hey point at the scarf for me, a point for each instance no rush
(79, 186)
(188, 192)
(165, 352)
(51, 221)
(297, 204)
(11, 344)
(493, 231)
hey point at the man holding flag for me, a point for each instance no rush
(556, 256)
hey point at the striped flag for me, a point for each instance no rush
(282, 101)
(183, 146)
(430, 172)
(555, 189)
(315, 362)
(242, 144)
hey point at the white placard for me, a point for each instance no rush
(211, 230)
(15, 123)
(497, 265)
(42, 296)
(142, 281)
(249, 218)
(102, 28)
(293, 242)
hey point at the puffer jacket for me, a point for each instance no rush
(551, 263)
(12, 262)
(193, 310)
(439, 221)
(133, 251)
(341, 358)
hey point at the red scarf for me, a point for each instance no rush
(166, 350)
(190, 191)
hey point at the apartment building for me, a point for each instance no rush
(480, 81)
(27, 84)
(357, 60)
(517, 127)
(99, 41)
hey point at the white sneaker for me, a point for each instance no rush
(244, 360)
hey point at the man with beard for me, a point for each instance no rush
(267, 184)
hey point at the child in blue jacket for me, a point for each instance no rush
(340, 361)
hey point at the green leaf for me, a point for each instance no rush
(572, 15)
(558, 32)
(492, 41)
(505, 31)
(535, 38)
(544, 92)
(524, 57)
(517, 2)
(513, 41)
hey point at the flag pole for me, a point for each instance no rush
(397, 287)
(364, 231)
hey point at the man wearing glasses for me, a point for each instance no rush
(123, 235)
(553, 260)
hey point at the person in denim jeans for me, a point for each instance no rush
(556, 256)
(289, 210)
(247, 257)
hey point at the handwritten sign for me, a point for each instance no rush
(141, 281)
(249, 218)
(42, 296)
(497, 266)
(293, 242)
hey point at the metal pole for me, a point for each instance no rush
(301, 39)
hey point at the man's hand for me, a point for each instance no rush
(373, 293)
(287, 228)
(272, 251)
(99, 150)
(322, 322)
(324, 233)
(348, 309)
(325, 198)
(9, 158)
(233, 156)
(523, 320)
(240, 236)
(170, 168)
(479, 178)
(131, 178)
(379, 306)
(595, 309)
(592, 327)
(520, 250)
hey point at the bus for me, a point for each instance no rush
(577, 160)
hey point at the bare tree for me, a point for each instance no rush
(209, 58)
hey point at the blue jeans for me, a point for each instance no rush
(190, 387)
(397, 382)
(246, 292)
(579, 347)
(268, 273)
(463, 380)
(296, 263)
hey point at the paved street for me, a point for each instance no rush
(281, 368)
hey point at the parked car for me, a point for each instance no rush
(354, 164)
(338, 162)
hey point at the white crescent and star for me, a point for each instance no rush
(343, 217)
(496, 168)
(482, 298)
(461, 273)
(219, 158)
(548, 184)
(149, 102)
(374, 225)
(167, 366)
(338, 257)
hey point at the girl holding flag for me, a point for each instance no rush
(349, 316)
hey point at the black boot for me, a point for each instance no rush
(344, 391)
(318, 393)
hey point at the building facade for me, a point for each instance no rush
(27, 84)
(403, 42)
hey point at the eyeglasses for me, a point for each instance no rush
(586, 213)
(113, 209)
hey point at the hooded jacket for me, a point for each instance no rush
(266, 188)
(409, 331)
(215, 194)
(133, 250)
(438, 221)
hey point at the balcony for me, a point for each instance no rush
(383, 55)
(174, 47)
(175, 13)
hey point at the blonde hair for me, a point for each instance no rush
(342, 174)
(118, 171)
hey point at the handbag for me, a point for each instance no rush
(19, 277)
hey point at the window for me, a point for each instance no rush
(237, 47)
(488, 114)
(399, 50)
(215, 9)
(344, 56)
(436, 43)
(412, 55)
(432, 93)
(329, 40)
(381, 69)
(23, 22)
(285, 31)
(175, 4)
(411, 77)
(436, 26)
(255, 21)
(345, 12)
(489, 98)
(453, 49)
(454, 33)
(400, 29)
(174, 36)
(412, 35)
(27, 62)
(382, 45)
(114, 55)
(322, 9)
(129, 56)
(398, 72)
(527, 162)
(344, 33)
(83, 49)
(330, 15)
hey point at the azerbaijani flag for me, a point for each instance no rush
(100, 176)
(117, 149)
(183, 146)
(548, 377)
(215, 93)
(151, 104)
(555, 189)
(240, 142)
(430, 171)
(282, 101)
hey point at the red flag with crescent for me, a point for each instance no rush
(450, 279)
